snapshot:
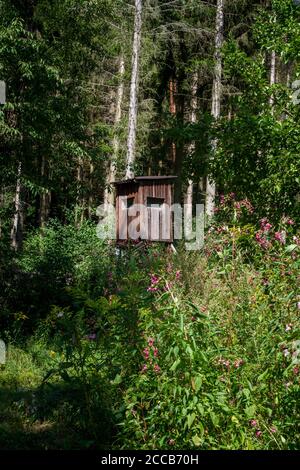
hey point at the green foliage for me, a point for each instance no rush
(258, 147)
(197, 351)
(59, 257)
(221, 369)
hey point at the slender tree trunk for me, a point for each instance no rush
(288, 74)
(79, 199)
(179, 148)
(180, 108)
(172, 94)
(45, 199)
(84, 195)
(91, 199)
(133, 106)
(272, 76)
(17, 227)
(216, 98)
(111, 177)
(193, 119)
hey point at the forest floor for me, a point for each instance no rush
(20, 381)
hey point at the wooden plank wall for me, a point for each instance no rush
(128, 190)
(159, 190)
(140, 193)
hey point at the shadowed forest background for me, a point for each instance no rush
(151, 349)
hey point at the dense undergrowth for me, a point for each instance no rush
(151, 350)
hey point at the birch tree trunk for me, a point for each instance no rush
(216, 98)
(111, 177)
(133, 106)
(272, 76)
(16, 231)
(193, 119)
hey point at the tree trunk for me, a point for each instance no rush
(133, 106)
(111, 177)
(79, 210)
(191, 149)
(216, 98)
(272, 76)
(179, 147)
(172, 94)
(45, 199)
(180, 112)
(90, 199)
(17, 227)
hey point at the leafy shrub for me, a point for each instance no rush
(53, 259)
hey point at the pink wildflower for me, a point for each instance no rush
(253, 423)
(238, 363)
(265, 225)
(155, 352)
(281, 237)
(154, 279)
(273, 429)
(146, 353)
(156, 368)
(150, 342)
(258, 433)
(296, 370)
(262, 241)
(144, 368)
(152, 289)
(178, 274)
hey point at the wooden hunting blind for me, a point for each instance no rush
(144, 203)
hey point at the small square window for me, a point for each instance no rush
(157, 202)
(129, 202)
